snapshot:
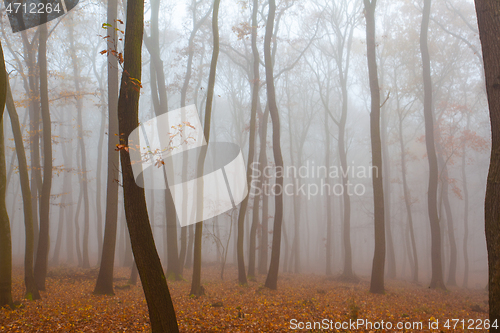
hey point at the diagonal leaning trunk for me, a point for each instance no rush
(161, 309)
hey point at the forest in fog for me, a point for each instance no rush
(364, 136)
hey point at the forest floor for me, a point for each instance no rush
(68, 305)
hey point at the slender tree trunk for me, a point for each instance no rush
(466, 210)
(377, 279)
(5, 237)
(386, 160)
(98, 177)
(242, 278)
(196, 287)
(77, 228)
(489, 30)
(40, 271)
(159, 93)
(329, 221)
(437, 268)
(29, 280)
(83, 152)
(34, 112)
(104, 284)
(161, 309)
(190, 245)
(407, 199)
(452, 272)
(264, 239)
(272, 275)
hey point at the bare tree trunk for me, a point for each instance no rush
(272, 275)
(407, 197)
(437, 268)
(386, 160)
(40, 271)
(329, 221)
(452, 272)
(489, 30)
(242, 278)
(5, 240)
(83, 152)
(29, 280)
(377, 279)
(161, 309)
(264, 239)
(104, 283)
(196, 287)
(466, 210)
(159, 94)
(34, 112)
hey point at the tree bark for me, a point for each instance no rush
(437, 268)
(44, 201)
(242, 278)
(489, 31)
(272, 275)
(29, 279)
(377, 278)
(196, 287)
(161, 309)
(5, 237)
(104, 283)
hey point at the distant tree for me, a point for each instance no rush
(242, 278)
(196, 287)
(160, 103)
(29, 279)
(489, 30)
(104, 284)
(437, 267)
(161, 309)
(82, 148)
(272, 275)
(42, 253)
(377, 279)
(5, 239)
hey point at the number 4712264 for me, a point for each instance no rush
(32, 8)
(470, 324)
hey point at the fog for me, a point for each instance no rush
(321, 79)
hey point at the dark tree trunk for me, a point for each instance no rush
(264, 239)
(437, 268)
(29, 280)
(489, 30)
(377, 279)
(104, 284)
(34, 112)
(272, 275)
(40, 271)
(5, 240)
(161, 309)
